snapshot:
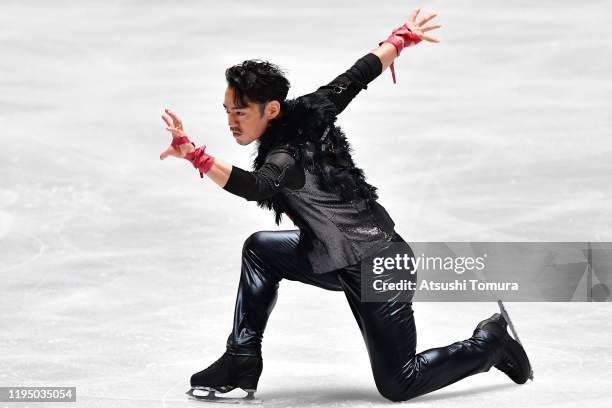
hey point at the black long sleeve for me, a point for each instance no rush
(343, 89)
(278, 171)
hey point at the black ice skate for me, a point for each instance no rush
(506, 316)
(227, 373)
(513, 360)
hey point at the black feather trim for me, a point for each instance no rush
(307, 129)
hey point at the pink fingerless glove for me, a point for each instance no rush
(200, 160)
(401, 38)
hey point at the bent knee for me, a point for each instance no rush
(256, 241)
(394, 390)
(391, 392)
(388, 386)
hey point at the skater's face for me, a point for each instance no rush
(248, 123)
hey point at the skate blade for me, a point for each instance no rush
(211, 397)
(506, 316)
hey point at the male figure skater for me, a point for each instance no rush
(304, 169)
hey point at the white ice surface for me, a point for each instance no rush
(118, 272)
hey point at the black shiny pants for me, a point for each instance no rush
(388, 328)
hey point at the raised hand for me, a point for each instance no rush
(175, 127)
(419, 28)
(408, 34)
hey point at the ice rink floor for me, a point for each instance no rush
(118, 272)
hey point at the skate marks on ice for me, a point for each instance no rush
(206, 395)
(123, 307)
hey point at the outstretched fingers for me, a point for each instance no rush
(414, 14)
(429, 28)
(430, 39)
(426, 19)
(175, 119)
(167, 120)
(175, 132)
(175, 127)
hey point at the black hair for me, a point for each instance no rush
(257, 81)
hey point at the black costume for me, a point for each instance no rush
(304, 169)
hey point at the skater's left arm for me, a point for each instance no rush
(345, 87)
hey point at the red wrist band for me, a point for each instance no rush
(200, 160)
(401, 38)
(177, 141)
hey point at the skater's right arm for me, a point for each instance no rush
(279, 169)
